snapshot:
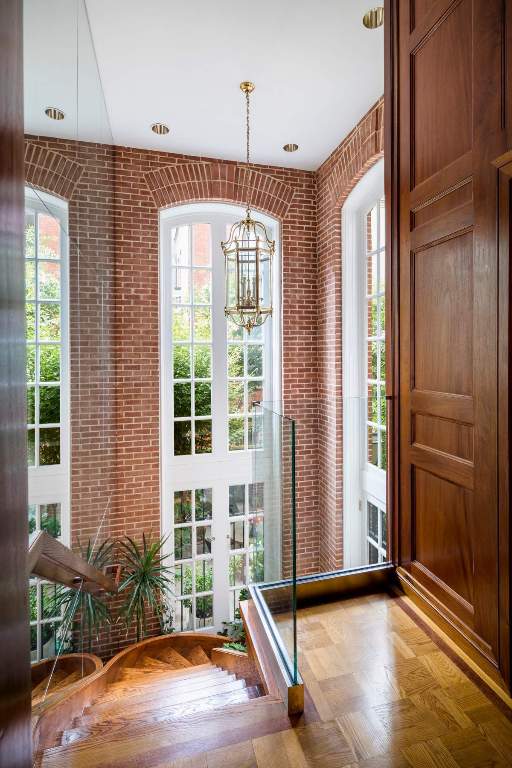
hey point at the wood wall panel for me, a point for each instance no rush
(451, 95)
(15, 685)
(442, 316)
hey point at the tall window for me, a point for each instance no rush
(46, 265)
(364, 373)
(211, 373)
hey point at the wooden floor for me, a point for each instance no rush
(382, 693)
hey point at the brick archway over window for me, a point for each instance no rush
(336, 178)
(50, 171)
(207, 181)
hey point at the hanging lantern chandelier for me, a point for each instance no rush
(248, 258)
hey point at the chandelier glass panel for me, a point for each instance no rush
(248, 256)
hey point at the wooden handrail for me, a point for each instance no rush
(50, 559)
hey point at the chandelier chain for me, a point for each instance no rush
(248, 138)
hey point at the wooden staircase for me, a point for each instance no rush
(159, 705)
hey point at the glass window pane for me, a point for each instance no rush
(182, 507)
(203, 398)
(183, 579)
(31, 363)
(256, 566)
(33, 602)
(182, 438)
(204, 575)
(236, 435)
(31, 447)
(382, 271)
(201, 245)
(237, 570)
(254, 393)
(254, 360)
(204, 611)
(181, 361)
(373, 554)
(235, 360)
(382, 315)
(372, 318)
(371, 229)
(373, 521)
(203, 504)
(183, 543)
(48, 278)
(48, 639)
(382, 349)
(373, 405)
(49, 237)
(382, 223)
(49, 446)
(49, 322)
(30, 321)
(372, 359)
(49, 362)
(203, 436)
(236, 397)
(256, 491)
(384, 527)
(382, 415)
(48, 601)
(30, 279)
(235, 332)
(202, 279)
(180, 245)
(202, 362)
(372, 446)
(181, 324)
(182, 400)
(50, 519)
(383, 451)
(32, 520)
(49, 405)
(255, 431)
(30, 235)
(372, 285)
(33, 643)
(236, 534)
(256, 531)
(181, 286)
(203, 539)
(236, 500)
(31, 405)
(202, 324)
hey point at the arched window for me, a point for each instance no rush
(364, 373)
(211, 373)
(46, 271)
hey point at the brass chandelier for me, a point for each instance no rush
(248, 256)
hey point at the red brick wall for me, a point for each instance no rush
(336, 178)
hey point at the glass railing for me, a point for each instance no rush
(274, 467)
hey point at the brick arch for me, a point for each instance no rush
(336, 178)
(51, 171)
(203, 180)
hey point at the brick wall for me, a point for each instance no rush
(336, 178)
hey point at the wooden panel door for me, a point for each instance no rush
(450, 124)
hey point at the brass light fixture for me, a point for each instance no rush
(54, 113)
(291, 147)
(248, 259)
(374, 18)
(160, 129)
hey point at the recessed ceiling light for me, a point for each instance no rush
(374, 18)
(291, 147)
(54, 113)
(160, 128)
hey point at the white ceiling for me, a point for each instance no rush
(317, 70)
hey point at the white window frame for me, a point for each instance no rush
(361, 480)
(51, 484)
(220, 468)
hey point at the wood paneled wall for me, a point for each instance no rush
(15, 740)
(449, 129)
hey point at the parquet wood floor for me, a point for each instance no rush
(383, 694)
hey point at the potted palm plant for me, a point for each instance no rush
(146, 581)
(88, 610)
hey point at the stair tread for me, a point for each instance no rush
(173, 657)
(170, 713)
(156, 672)
(130, 746)
(105, 710)
(147, 688)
